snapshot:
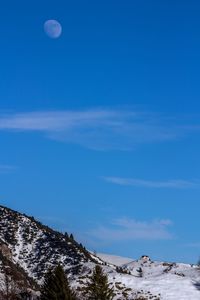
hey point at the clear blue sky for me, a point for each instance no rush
(100, 128)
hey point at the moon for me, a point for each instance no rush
(53, 29)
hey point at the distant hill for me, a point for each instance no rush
(114, 259)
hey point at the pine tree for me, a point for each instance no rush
(71, 236)
(56, 286)
(98, 287)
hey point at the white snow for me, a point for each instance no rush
(170, 281)
(154, 280)
(114, 259)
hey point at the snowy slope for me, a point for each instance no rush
(35, 248)
(166, 286)
(170, 280)
(159, 280)
(114, 259)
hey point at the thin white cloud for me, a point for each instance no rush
(97, 129)
(7, 168)
(126, 229)
(176, 184)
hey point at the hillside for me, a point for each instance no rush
(29, 248)
(36, 247)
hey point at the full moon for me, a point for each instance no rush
(53, 29)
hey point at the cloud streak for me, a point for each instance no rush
(174, 184)
(126, 229)
(100, 129)
(6, 169)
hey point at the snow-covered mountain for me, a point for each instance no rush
(30, 248)
(36, 247)
(170, 280)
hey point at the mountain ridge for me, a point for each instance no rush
(36, 247)
(33, 248)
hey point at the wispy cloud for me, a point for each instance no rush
(131, 229)
(175, 184)
(7, 168)
(96, 129)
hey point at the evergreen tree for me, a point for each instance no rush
(98, 287)
(56, 286)
(71, 236)
(66, 235)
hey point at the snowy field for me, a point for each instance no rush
(114, 259)
(169, 281)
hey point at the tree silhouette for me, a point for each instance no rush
(56, 286)
(98, 288)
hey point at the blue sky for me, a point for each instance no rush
(100, 128)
